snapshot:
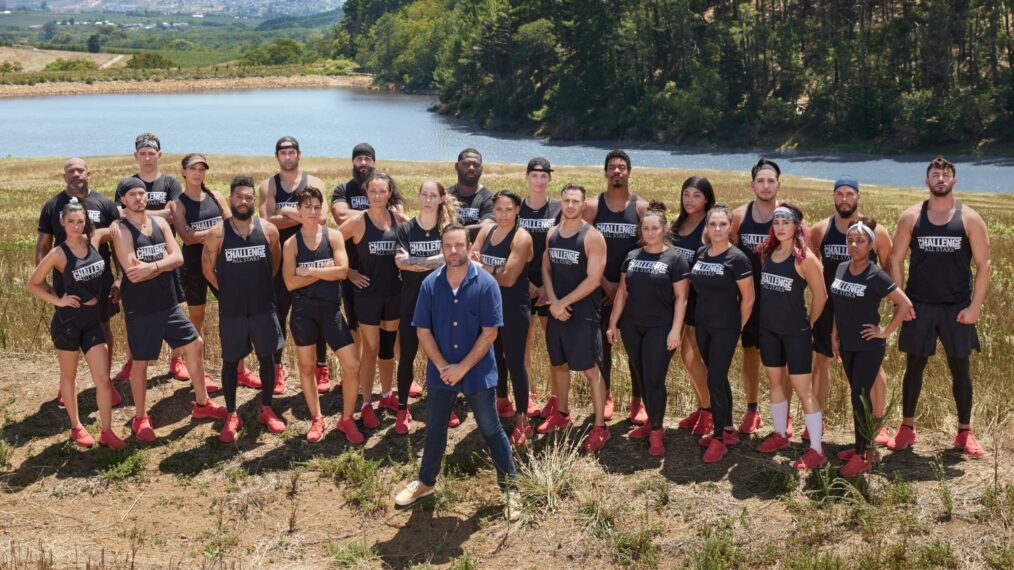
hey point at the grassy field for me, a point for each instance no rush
(190, 501)
(38, 59)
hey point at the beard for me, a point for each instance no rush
(846, 211)
(464, 178)
(241, 215)
(360, 176)
(941, 190)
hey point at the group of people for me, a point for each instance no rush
(464, 277)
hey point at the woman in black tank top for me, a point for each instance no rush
(505, 250)
(76, 323)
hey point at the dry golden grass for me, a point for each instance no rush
(37, 59)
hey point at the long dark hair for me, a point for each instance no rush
(75, 206)
(799, 247)
(183, 164)
(395, 199)
(704, 185)
(513, 197)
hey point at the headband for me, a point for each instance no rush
(785, 214)
(860, 226)
(147, 143)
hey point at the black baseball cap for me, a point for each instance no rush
(286, 142)
(539, 163)
(364, 149)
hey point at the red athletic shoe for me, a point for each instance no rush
(403, 422)
(521, 434)
(230, 428)
(281, 373)
(533, 406)
(810, 460)
(323, 376)
(142, 430)
(124, 374)
(550, 408)
(368, 417)
(690, 421)
(117, 397)
(903, 438)
(806, 431)
(209, 411)
(267, 417)
(715, 452)
(454, 421)
(773, 443)
(728, 438)
(317, 428)
(640, 432)
(855, 466)
(967, 443)
(705, 423)
(656, 447)
(389, 402)
(178, 369)
(248, 379)
(59, 399)
(751, 422)
(210, 385)
(596, 439)
(504, 408)
(556, 422)
(414, 390)
(608, 414)
(111, 440)
(847, 454)
(351, 431)
(638, 415)
(81, 436)
(883, 436)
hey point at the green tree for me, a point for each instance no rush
(94, 43)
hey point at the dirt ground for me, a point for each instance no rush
(37, 59)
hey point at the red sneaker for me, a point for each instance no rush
(248, 379)
(751, 422)
(504, 408)
(556, 422)
(608, 414)
(210, 385)
(806, 431)
(640, 432)
(389, 402)
(403, 422)
(883, 436)
(230, 428)
(521, 434)
(323, 376)
(142, 430)
(810, 460)
(705, 423)
(368, 417)
(967, 443)
(855, 466)
(81, 436)
(596, 439)
(715, 452)
(124, 374)
(267, 417)
(533, 406)
(317, 428)
(209, 411)
(414, 390)
(638, 415)
(59, 399)
(117, 397)
(773, 443)
(728, 438)
(903, 438)
(111, 440)
(281, 373)
(454, 421)
(550, 408)
(847, 454)
(351, 431)
(656, 448)
(690, 421)
(178, 369)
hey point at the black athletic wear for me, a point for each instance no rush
(147, 330)
(83, 277)
(794, 350)
(77, 329)
(861, 368)
(470, 209)
(752, 234)
(687, 246)
(576, 341)
(316, 308)
(961, 385)
(857, 298)
(833, 250)
(919, 336)
(538, 222)
(418, 242)
(509, 348)
(261, 331)
(157, 293)
(352, 194)
(715, 280)
(718, 346)
(200, 215)
(380, 300)
(322, 256)
(283, 199)
(161, 191)
(785, 336)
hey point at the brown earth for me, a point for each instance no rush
(183, 85)
(33, 59)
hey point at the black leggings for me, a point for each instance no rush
(509, 349)
(406, 361)
(717, 348)
(961, 385)
(636, 383)
(861, 368)
(646, 349)
(230, 380)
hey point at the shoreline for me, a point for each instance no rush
(183, 85)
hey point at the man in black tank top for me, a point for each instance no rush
(474, 207)
(149, 255)
(347, 200)
(615, 213)
(277, 204)
(945, 238)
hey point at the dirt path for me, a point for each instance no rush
(112, 62)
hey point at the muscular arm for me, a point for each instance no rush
(817, 235)
(266, 208)
(186, 233)
(737, 219)
(547, 273)
(902, 241)
(595, 250)
(209, 256)
(173, 254)
(271, 233)
(884, 244)
(517, 261)
(978, 239)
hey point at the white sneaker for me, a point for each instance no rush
(512, 506)
(412, 493)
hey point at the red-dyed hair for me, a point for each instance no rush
(800, 240)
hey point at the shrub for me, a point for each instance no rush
(72, 65)
(149, 61)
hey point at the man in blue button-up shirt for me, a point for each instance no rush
(457, 316)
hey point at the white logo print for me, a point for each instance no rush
(537, 225)
(492, 260)
(317, 263)
(564, 256)
(280, 205)
(752, 240)
(713, 269)
(424, 248)
(383, 247)
(939, 244)
(359, 202)
(836, 252)
(89, 272)
(846, 289)
(245, 254)
(773, 282)
(201, 225)
(652, 267)
(157, 198)
(467, 214)
(615, 231)
(688, 254)
(150, 252)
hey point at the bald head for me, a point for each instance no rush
(75, 174)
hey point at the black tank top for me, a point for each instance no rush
(688, 245)
(752, 234)
(287, 199)
(496, 256)
(83, 276)
(244, 273)
(418, 243)
(620, 231)
(939, 269)
(200, 216)
(538, 223)
(158, 293)
(782, 306)
(376, 252)
(321, 257)
(568, 266)
(833, 251)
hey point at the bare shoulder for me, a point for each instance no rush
(315, 182)
(642, 206)
(909, 216)
(269, 229)
(970, 217)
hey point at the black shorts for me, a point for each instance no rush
(312, 320)
(919, 336)
(349, 304)
(146, 331)
(576, 343)
(779, 349)
(542, 311)
(178, 284)
(822, 332)
(372, 309)
(195, 286)
(237, 334)
(77, 329)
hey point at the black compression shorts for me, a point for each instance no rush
(778, 349)
(576, 342)
(312, 320)
(237, 334)
(77, 329)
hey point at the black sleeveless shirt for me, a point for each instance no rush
(376, 252)
(782, 306)
(538, 223)
(418, 243)
(687, 245)
(83, 276)
(244, 273)
(287, 199)
(568, 264)
(159, 292)
(352, 194)
(939, 269)
(496, 256)
(200, 216)
(620, 231)
(751, 234)
(319, 290)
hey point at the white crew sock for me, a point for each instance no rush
(780, 416)
(815, 425)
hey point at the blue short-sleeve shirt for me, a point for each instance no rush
(456, 321)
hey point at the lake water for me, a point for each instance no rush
(329, 122)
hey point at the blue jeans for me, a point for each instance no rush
(438, 413)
